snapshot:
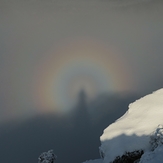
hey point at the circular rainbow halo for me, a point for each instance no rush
(76, 65)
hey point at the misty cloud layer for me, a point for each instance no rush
(74, 138)
(29, 30)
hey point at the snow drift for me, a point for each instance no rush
(131, 132)
(137, 130)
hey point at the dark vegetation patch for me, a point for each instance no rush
(129, 157)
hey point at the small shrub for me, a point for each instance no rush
(47, 157)
(129, 157)
(156, 139)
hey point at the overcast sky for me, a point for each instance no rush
(49, 48)
(52, 50)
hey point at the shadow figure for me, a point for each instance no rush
(74, 138)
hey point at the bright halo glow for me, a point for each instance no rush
(74, 65)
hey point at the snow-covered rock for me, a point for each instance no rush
(132, 131)
(156, 139)
(155, 156)
(47, 157)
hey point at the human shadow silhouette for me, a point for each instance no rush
(74, 138)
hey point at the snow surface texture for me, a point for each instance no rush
(156, 153)
(94, 161)
(132, 131)
(155, 156)
(156, 138)
(47, 157)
